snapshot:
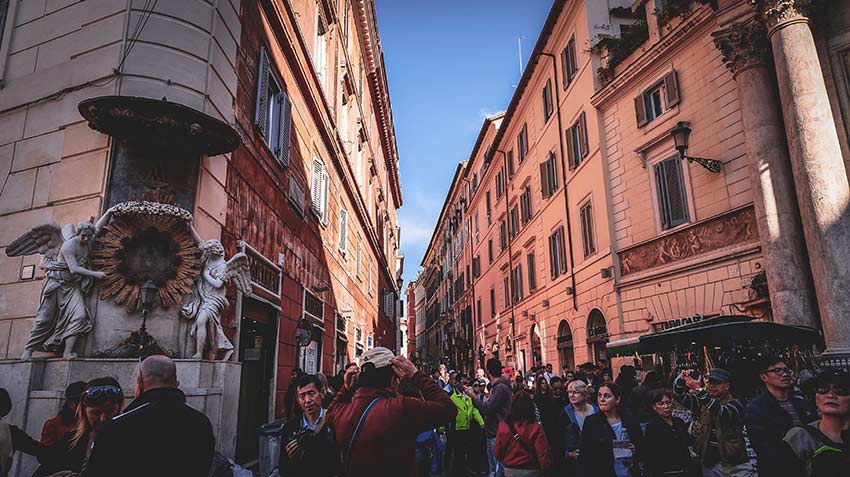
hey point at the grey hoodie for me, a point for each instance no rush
(496, 407)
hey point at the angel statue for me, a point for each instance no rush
(62, 314)
(209, 296)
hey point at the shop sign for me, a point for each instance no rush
(660, 326)
(263, 273)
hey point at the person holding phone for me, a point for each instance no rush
(611, 439)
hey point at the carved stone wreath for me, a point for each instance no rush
(147, 241)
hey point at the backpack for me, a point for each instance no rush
(829, 458)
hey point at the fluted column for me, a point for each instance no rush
(823, 192)
(746, 51)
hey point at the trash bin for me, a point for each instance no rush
(270, 435)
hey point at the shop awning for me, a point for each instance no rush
(623, 348)
(725, 330)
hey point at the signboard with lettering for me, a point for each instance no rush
(660, 326)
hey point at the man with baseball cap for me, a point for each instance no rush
(822, 448)
(719, 424)
(376, 429)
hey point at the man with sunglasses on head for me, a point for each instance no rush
(158, 433)
(822, 448)
(719, 424)
(770, 415)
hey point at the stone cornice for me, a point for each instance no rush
(634, 71)
(743, 45)
(776, 13)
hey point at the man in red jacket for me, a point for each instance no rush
(385, 442)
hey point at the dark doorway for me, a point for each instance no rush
(257, 344)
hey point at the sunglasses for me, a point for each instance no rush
(781, 371)
(838, 389)
(97, 393)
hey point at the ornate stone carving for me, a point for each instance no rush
(735, 228)
(777, 12)
(743, 45)
(62, 314)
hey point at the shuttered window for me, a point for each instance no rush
(548, 103)
(516, 283)
(273, 114)
(492, 302)
(476, 267)
(570, 62)
(532, 273)
(577, 147)
(490, 251)
(489, 206)
(514, 221)
(319, 191)
(510, 159)
(658, 98)
(343, 230)
(507, 285)
(522, 143)
(359, 257)
(525, 204)
(672, 199)
(549, 176)
(500, 184)
(588, 240)
(503, 235)
(557, 253)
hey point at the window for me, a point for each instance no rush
(500, 184)
(525, 204)
(507, 285)
(577, 142)
(587, 238)
(657, 99)
(320, 53)
(343, 230)
(478, 311)
(492, 303)
(548, 107)
(489, 206)
(319, 193)
(516, 283)
(370, 342)
(476, 267)
(522, 143)
(273, 114)
(503, 235)
(549, 176)
(568, 56)
(514, 221)
(532, 273)
(475, 221)
(490, 251)
(358, 342)
(510, 159)
(4, 6)
(672, 199)
(313, 306)
(557, 253)
(474, 182)
(359, 256)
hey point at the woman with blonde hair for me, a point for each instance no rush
(578, 393)
(100, 401)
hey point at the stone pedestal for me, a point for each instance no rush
(746, 52)
(823, 192)
(37, 389)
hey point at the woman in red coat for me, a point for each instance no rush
(521, 443)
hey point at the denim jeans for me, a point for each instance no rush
(496, 467)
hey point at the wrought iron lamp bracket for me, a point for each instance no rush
(711, 165)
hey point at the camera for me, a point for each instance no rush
(303, 436)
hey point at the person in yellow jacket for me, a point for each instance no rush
(466, 433)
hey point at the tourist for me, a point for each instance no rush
(558, 391)
(610, 439)
(549, 374)
(771, 414)
(479, 387)
(443, 376)
(640, 397)
(56, 427)
(822, 448)
(429, 446)
(719, 423)
(494, 410)
(520, 442)
(480, 375)
(100, 401)
(577, 411)
(375, 428)
(13, 439)
(174, 439)
(290, 402)
(666, 440)
(465, 442)
(628, 382)
(309, 444)
(554, 420)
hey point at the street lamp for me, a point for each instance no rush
(681, 135)
(147, 295)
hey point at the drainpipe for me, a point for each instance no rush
(556, 86)
(471, 280)
(510, 253)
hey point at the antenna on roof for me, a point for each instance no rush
(519, 42)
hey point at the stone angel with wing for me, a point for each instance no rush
(209, 298)
(62, 314)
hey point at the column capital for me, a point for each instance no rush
(743, 45)
(779, 12)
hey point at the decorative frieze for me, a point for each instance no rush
(735, 228)
(743, 45)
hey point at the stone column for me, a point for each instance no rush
(746, 52)
(823, 192)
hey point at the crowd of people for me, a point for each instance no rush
(384, 417)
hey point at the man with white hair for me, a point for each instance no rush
(158, 433)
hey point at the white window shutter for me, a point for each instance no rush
(343, 230)
(284, 129)
(261, 114)
(316, 188)
(325, 186)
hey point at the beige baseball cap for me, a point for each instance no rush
(380, 357)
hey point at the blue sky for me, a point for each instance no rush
(450, 63)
